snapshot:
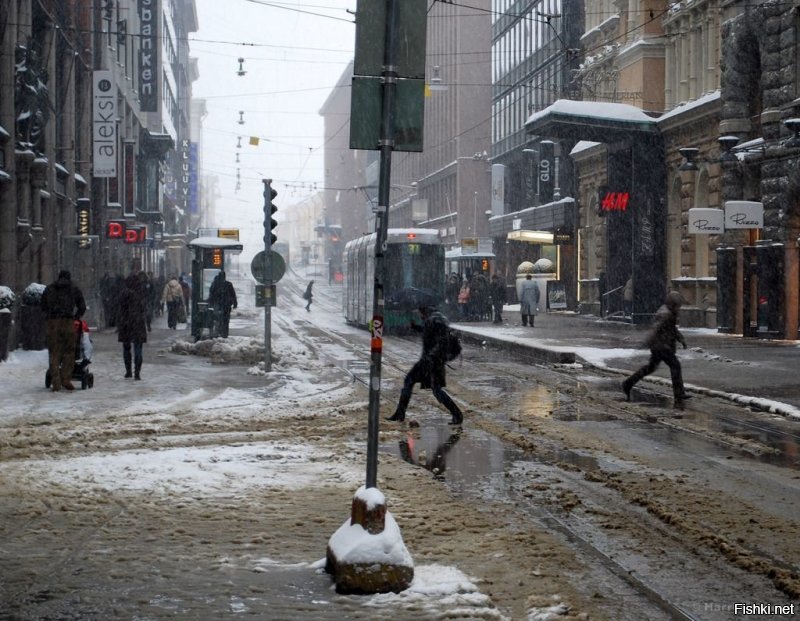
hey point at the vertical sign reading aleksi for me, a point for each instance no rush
(104, 125)
(148, 56)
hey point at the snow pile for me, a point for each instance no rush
(231, 350)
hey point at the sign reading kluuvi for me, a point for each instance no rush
(104, 125)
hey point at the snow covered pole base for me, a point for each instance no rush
(367, 554)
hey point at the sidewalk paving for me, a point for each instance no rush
(759, 373)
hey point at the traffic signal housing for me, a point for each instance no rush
(269, 211)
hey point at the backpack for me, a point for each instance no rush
(453, 346)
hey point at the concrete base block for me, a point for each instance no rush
(367, 554)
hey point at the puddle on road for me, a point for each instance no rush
(464, 457)
(542, 402)
(471, 460)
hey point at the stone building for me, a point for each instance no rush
(91, 176)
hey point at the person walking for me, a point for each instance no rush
(308, 295)
(62, 303)
(132, 323)
(463, 300)
(173, 296)
(627, 298)
(528, 300)
(222, 296)
(498, 297)
(662, 343)
(429, 370)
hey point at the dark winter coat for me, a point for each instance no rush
(665, 331)
(430, 367)
(498, 291)
(63, 300)
(308, 295)
(132, 314)
(222, 295)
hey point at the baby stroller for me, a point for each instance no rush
(83, 357)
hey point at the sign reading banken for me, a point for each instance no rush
(148, 56)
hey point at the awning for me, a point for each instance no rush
(591, 120)
(215, 242)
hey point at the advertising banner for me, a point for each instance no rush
(148, 56)
(104, 125)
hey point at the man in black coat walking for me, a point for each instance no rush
(132, 322)
(222, 296)
(498, 297)
(662, 343)
(62, 303)
(429, 370)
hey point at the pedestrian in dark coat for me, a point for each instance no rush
(498, 297)
(429, 370)
(528, 300)
(222, 296)
(62, 303)
(308, 295)
(132, 323)
(662, 343)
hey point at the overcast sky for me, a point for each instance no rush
(294, 52)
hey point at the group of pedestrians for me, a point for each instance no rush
(129, 305)
(63, 303)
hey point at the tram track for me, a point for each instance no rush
(569, 386)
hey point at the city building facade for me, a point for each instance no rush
(95, 139)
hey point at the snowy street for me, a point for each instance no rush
(209, 490)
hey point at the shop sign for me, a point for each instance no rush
(104, 125)
(744, 215)
(706, 221)
(615, 201)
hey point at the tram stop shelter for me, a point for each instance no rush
(210, 254)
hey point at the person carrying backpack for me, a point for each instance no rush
(429, 370)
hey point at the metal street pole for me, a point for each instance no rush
(268, 275)
(389, 77)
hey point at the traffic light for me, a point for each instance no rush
(269, 211)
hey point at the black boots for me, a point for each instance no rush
(137, 371)
(397, 417)
(457, 419)
(126, 357)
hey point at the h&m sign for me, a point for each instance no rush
(130, 234)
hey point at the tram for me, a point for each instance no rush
(414, 276)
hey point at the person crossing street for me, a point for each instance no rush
(429, 370)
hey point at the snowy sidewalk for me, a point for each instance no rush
(750, 371)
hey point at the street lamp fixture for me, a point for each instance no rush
(794, 141)
(689, 154)
(727, 143)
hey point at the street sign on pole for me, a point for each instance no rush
(277, 264)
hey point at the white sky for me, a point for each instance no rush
(294, 51)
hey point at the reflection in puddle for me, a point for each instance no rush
(468, 459)
(538, 401)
